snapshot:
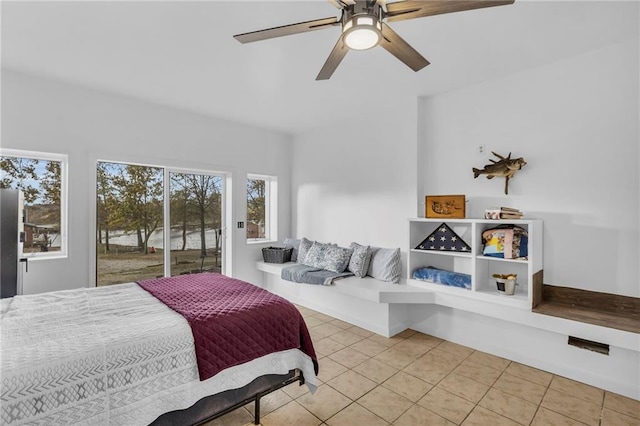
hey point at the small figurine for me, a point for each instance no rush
(506, 168)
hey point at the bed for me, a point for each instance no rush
(118, 355)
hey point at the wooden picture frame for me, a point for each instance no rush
(445, 206)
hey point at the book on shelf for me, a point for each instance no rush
(509, 209)
(503, 213)
(511, 216)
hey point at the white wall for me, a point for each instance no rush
(48, 116)
(576, 123)
(356, 180)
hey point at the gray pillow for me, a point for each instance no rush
(316, 254)
(294, 244)
(336, 259)
(359, 262)
(303, 248)
(385, 264)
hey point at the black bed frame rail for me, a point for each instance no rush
(214, 406)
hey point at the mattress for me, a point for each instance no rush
(109, 356)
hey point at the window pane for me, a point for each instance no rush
(129, 223)
(256, 208)
(41, 183)
(196, 223)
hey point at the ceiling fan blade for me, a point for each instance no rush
(411, 9)
(399, 48)
(335, 57)
(301, 27)
(341, 4)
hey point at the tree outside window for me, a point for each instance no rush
(129, 206)
(40, 177)
(196, 221)
(256, 208)
(261, 207)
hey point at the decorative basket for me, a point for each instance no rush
(506, 286)
(276, 254)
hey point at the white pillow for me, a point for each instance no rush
(385, 264)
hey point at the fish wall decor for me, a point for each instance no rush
(506, 168)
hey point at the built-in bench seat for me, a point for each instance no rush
(372, 304)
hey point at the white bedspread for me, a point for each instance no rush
(108, 356)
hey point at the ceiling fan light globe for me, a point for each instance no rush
(361, 33)
(362, 39)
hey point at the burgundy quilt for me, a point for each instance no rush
(232, 321)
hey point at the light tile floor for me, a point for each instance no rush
(416, 379)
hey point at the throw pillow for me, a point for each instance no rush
(295, 245)
(336, 259)
(386, 264)
(303, 248)
(359, 262)
(315, 255)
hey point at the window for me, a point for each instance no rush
(130, 218)
(154, 221)
(261, 207)
(42, 178)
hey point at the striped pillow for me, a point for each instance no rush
(386, 264)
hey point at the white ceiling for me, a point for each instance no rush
(182, 54)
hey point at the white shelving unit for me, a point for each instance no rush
(481, 268)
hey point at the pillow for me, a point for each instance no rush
(303, 248)
(294, 244)
(385, 264)
(315, 255)
(336, 259)
(359, 262)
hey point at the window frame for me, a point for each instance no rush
(270, 210)
(63, 159)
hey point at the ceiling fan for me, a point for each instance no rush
(363, 27)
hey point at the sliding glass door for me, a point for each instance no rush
(140, 208)
(196, 223)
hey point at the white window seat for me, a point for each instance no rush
(369, 303)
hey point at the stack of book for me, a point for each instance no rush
(502, 213)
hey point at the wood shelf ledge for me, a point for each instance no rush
(591, 307)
